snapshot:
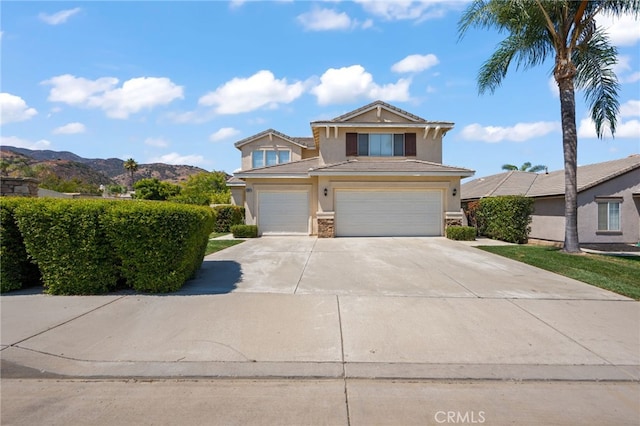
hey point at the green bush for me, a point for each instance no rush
(16, 269)
(66, 240)
(160, 245)
(505, 218)
(461, 233)
(228, 216)
(244, 231)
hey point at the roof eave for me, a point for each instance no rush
(272, 175)
(389, 173)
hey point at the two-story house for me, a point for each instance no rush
(375, 171)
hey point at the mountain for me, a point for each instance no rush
(97, 171)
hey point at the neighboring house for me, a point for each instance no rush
(375, 171)
(608, 200)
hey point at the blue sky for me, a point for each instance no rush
(180, 82)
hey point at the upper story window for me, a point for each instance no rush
(381, 144)
(269, 157)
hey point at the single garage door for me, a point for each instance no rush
(283, 212)
(388, 213)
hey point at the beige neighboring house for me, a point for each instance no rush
(375, 171)
(608, 200)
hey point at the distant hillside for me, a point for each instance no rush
(96, 170)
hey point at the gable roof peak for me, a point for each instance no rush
(378, 105)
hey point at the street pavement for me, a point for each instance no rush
(299, 330)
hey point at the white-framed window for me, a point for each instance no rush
(269, 157)
(609, 215)
(381, 144)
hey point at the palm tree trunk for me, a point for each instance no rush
(570, 148)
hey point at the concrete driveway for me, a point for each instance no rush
(423, 267)
(425, 312)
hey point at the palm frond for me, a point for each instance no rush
(595, 76)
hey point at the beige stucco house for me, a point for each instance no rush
(375, 171)
(608, 200)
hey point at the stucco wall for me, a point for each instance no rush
(622, 186)
(385, 115)
(264, 143)
(237, 195)
(333, 150)
(548, 219)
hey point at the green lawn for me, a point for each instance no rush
(618, 274)
(217, 245)
(218, 234)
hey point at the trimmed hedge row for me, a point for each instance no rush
(228, 216)
(16, 270)
(91, 246)
(244, 231)
(505, 218)
(461, 233)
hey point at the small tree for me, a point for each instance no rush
(131, 166)
(153, 189)
(205, 188)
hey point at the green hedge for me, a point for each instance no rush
(505, 218)
(160, 245)
(16, 269)
(228, 216)
(244, 231)
(66, 240)
(461, 233)
(90, 246)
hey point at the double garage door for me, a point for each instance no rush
(388, 213)
(357, 213)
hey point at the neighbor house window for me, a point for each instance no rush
(608, 215)
(269, 157)
(381, 144)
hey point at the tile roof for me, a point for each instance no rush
(546, 184)
(390, 167)
(306, 142)
(312, 167)
(293, 168)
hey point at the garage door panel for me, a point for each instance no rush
(283, 212)
(388, 213)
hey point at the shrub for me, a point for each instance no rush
(228, 216)
(244, 231)
(160, 245)
(505, 218)
(153, 189)
(16, 269)
(461, 233)
(66, 240)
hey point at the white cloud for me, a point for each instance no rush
(13, 109)
(350, 83)
(630, 78)
(518, 133)
(234, 4)
(135, 94)
(392, 10)
(630, 109)
(415, 63)
(248, 94)
(223, 133)
(58, 17)
(623, 31)
(324, 20)
(156, 142)
(24, 143)
(177, 159)
(70, 129)
(624, 129)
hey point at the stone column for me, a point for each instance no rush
(326, 224)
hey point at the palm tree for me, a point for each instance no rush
(566, 31)
(131, 166)
(526, 167)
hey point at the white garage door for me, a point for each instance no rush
(388, 213)
(283, 212)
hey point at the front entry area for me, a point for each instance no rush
(283, 212)
(388, 213)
